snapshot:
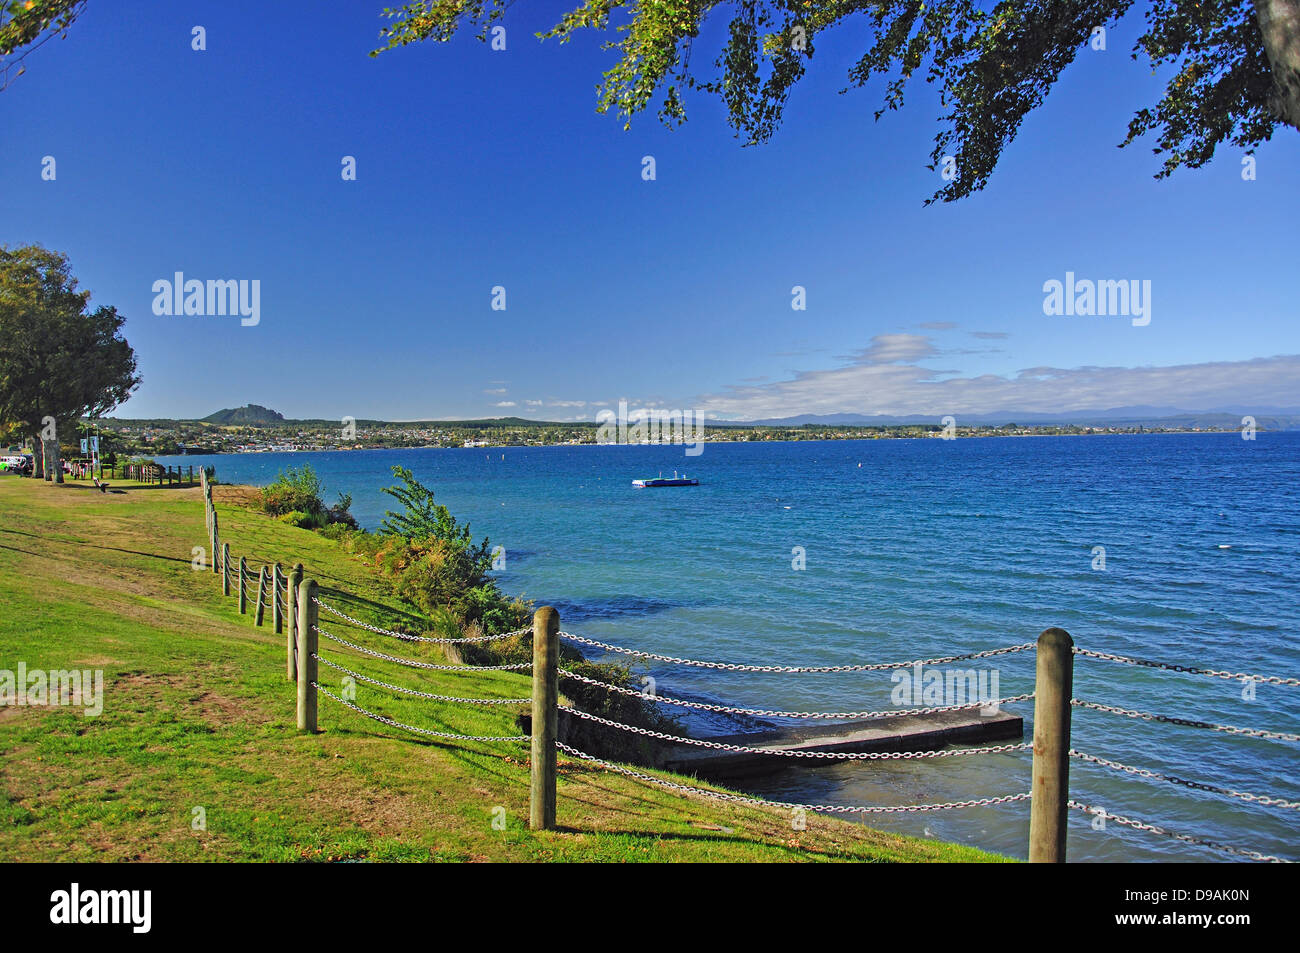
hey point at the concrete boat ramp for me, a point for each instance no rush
(894, 733)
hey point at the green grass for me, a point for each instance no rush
(198, 714)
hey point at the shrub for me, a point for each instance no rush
(298, 490)
(294, 490)
(432, 562)
(338, 515)
(339, 532)
(299, 518)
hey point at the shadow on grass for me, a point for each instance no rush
(25, 552)
(82, 542)
(344, 599)
(80, 485)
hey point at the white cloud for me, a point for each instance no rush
(872, 386)
(495, 390)
(891, 348)
(533, 403)
(568, 403)
(506, 403)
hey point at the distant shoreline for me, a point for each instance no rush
(820, 439)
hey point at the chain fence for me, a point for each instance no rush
(412, 663)
(993, 705)
(793, 752)
(793, 669)
(408, 637)
(1265, 800)
(1186, 838)
(275, 591)
(788, 805)
(415, 729)
(419, 694)
(1187, 722)
(1189, 669)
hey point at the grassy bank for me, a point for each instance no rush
(198, 714)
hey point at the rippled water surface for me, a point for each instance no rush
(921, 548)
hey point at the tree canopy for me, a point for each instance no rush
(58, 358)
(1235, 64)
(26, 25)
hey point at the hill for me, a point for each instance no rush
(248, 415)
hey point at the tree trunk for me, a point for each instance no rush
(38, 457)
(1279, 22)
(53, 465)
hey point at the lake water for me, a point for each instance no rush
(916, 549)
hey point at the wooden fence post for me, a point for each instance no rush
(291, 622)
(545, 714)
(277, 616)
(243, 585)
(216, 542)
(308, 643)
(1053, 688)
(225, 569)
(259, 612)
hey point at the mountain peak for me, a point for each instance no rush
(248, 414)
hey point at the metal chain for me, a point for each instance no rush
(765, 713)
(419, 694)
(406, 637)
(411, 663)
(419, 731)
(1169, 719)
(788, 805)
(793, 669)
(1195, 785)
(788, 753)
(1190, 670)
(1188, 838)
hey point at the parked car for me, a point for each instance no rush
(17, 463)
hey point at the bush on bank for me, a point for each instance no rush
(295, 498)
(431, 562)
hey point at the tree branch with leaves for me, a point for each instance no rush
(1235, 64)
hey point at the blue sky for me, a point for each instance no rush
(478, 168)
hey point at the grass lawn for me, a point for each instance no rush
(198, 714)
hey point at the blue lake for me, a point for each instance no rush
(921, 548)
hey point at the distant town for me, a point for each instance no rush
(254, 429)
